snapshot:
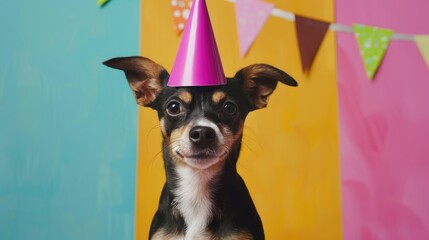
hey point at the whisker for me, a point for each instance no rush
(250, 140)
(157, 156)
(252, 135)
(247, 146)
(147, 142)
(249, 129)
(148, 133)
(156, 126)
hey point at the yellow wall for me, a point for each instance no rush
(290, 159)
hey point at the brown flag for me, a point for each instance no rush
(310, 34)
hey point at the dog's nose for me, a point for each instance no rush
(202, 136)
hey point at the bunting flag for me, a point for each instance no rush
(251, 16)
(310, 35)
(373, 43)
(101, 3)
(180, 10)
(423, 44)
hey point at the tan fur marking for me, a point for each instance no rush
(146, 90)
(175, 136)
(258, 90)
(185, 96)
(218, 96)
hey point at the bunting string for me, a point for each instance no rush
(290, 16)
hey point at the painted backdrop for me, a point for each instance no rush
(384, 126)
(68, 125)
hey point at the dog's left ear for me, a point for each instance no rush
(144, 76)
(259, 81)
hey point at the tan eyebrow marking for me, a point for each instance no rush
(218, 96)
(186, 97)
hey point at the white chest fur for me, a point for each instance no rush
(194, 200)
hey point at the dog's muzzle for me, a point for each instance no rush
(201, 145)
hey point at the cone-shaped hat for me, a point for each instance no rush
(197, 61)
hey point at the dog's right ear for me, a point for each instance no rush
(259, 81)
(144, 77)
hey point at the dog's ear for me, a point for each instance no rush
(144, 77)
(258, 82)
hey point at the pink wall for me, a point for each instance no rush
(384, 126)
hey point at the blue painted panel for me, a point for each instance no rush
(67, 123)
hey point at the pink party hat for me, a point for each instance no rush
(197, 62)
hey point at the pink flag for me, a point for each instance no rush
(251, 16)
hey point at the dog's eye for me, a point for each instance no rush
(174, 108)
(229, 108)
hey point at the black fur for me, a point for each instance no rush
(232, 210)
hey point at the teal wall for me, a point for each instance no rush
(67, 123)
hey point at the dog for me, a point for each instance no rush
(202, 127)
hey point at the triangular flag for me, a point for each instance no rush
(251, 16)
(180, 10)
(310, 35)
(101, 3)
(373, 43)
(423, 44)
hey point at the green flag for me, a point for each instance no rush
(102, 2)
(373, 43)
(423, 44)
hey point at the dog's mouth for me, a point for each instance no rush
(203, 159)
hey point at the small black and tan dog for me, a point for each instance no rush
(202, 127)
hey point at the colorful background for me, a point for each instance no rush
(339, 157)
(384, 127)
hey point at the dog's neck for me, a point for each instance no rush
(194, 198)
(195, 195)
